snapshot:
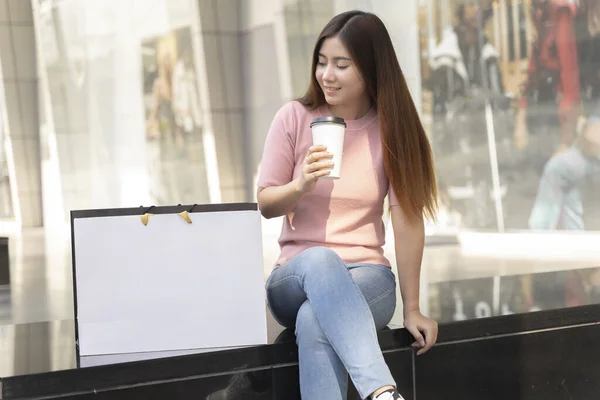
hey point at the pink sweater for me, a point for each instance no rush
(344, 215)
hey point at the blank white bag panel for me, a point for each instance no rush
(169, 285)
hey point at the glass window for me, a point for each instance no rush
(124, 97)
(510, 95)
(6, 205)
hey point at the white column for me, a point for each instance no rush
(52, 200)
(516, 29)
(528, 28)
(208, 139)
(258, 13)
(282, 51)
(504, 32)
(497, 32)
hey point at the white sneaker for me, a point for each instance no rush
(391, 394)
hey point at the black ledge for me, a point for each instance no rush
(282, 353)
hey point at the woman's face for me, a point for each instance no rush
(337, 74)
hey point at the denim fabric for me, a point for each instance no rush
(336, 310)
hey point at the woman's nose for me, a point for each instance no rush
(328, 74)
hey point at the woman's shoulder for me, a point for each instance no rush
(286, 110)
(294, 107)
(294, 113)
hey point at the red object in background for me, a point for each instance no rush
(556, 49)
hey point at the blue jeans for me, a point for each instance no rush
(335, 309)
(559, 196)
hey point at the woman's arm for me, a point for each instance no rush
(409, 238)
(275, 201)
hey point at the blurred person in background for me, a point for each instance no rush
(160, 124)
(161, 120)
(559, 201)
(456, 63)
(186, 104)
(551, 93)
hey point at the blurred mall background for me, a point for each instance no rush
(122, 103)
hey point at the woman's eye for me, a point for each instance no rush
(342, 66)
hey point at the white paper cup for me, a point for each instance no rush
(329, 131)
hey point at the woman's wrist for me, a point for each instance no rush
(299, 185)
(411, 309)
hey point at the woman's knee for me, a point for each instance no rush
(568, 165)
(556, 165)
(320, 257)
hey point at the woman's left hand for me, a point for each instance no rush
(424, 330)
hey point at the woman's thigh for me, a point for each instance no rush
(286, 290)
(285, 294)
(377, 283)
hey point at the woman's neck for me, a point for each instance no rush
(351, 112)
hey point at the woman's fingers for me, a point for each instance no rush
(317, 166)
(315, 157)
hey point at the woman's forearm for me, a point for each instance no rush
(409, 233)
(275, 201)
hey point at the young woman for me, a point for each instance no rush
(332, 283)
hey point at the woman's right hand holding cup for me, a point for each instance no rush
(317, 163)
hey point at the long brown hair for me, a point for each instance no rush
(407, 156)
